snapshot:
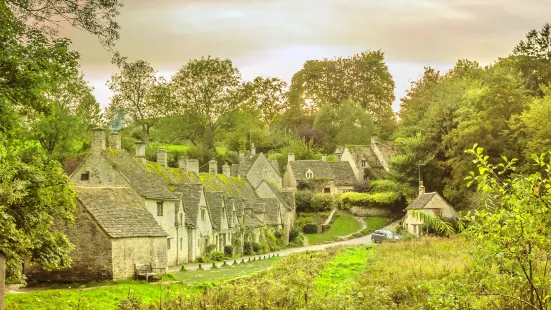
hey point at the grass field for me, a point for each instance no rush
(183, 148)
(108, 296)
(343, 225)
(375, 222)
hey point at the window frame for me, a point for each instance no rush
(160, 208)
(87, 174)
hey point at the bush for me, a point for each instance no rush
(302, 200)
(278, 234)
(384, 200)
(228, 250)
(202, 259)
(380, 186)
(217, 256)
(247, 248)
(293, 234)
(298, 240)
(209, 248)
(256, 247)
(310, 229)
(322, 202)
(271, 242)
(303, 220)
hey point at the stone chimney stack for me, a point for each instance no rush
(226, 170)
(162, 157)
(374, 139)
(193, 166)
(182, 162)
(140, 151)
(213, 167)
(323, 157)
(290, 157)
(115, 140)
(98, 140)
(421, 188)
(241, 156)
(253, 149)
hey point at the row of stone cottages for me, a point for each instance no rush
(131, 211)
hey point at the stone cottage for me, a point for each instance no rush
(256, 168)
(430, 203)
(368, 161)
(319, 175)
(112, 232)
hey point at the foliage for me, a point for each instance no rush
(362, 187)
(511, 231)
(248, 248)
(217, 256)
(257, 248)
(382, 200)
(344, 224)
(362, 78)
(302, 200)
(381, 186)
(268, 96)
(228, 251)
(303, 220)
(310, 228)
(210, 248)
(437, 224)
(321, 202)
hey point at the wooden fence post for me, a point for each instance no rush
(2, 278)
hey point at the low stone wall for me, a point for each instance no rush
(363, 212)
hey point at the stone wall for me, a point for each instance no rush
(140, 250)
(91, 255)
(362, 211)
(100, 172)
(254, 176)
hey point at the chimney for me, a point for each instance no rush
(213, 167)
(193, 166)
(182, 162)
(98, 140)
(162, 157)
(140, 151)
(241, 156)
(290, 157)
(226, 170)
(115, 140)
(374, 139)
(253, 149)
(323, 157)
(421, 188)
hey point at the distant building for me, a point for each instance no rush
(430, 203)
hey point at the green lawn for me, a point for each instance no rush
(375, 222)
(90, 296)
(343, 225)
(198, 276)
(183, 148)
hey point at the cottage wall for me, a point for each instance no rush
(347, 156)
(289, 180)
(91, 255)
(100, 172)
(413, 224)
(139, 250)
(204, 234)
(168, 222)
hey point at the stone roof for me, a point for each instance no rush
(232, 187)
(252, 221)
(192, 194)
(246, 164)
(285, 198)
(119, 211)
(341, 172)
(365, 152)
(421, 201)
(215, 203)
(141, 178)
(272, 211)
(259, 207)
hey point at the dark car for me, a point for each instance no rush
(379, 236)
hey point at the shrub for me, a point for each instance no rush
(303, 220)
(228, 250)
(256, 247)
(298, 240)
(322, 202)
(310, 229)
(202, 259)
(217, 256)
(384, 200)
(247, 248)
(271, 241)
(209, 248)
(293, 234)
(302, 200)
(379, 186)
(278, 234)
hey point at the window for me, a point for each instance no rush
(309, 174)
(181, 244)
(203, 215)
(85, 176)
(414, 228)
(159, 208)
(327, 190)
(364, 163)
(168, 244)
(181, 219)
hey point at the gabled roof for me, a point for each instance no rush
(192, 198)
(215, 203)
(421, 201)
(272, 211)
(246, 163)
(285, 198)
(252, 221)
(340, 172)
(146, 183)
(119, 211)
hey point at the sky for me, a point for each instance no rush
(275, 37)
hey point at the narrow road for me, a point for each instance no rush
(362, 240)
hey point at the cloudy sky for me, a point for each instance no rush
(275, 37)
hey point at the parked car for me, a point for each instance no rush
(379, 236)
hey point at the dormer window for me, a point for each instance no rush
(159, 208)
(85, 176)
(364, 163)
(309, 174)
(203, 215)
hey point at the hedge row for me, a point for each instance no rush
(384, 200)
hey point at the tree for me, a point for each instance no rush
(269, 96)
(362, 78)
(204, 90)
(511, 229)
(138, 94)
(96, 17)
